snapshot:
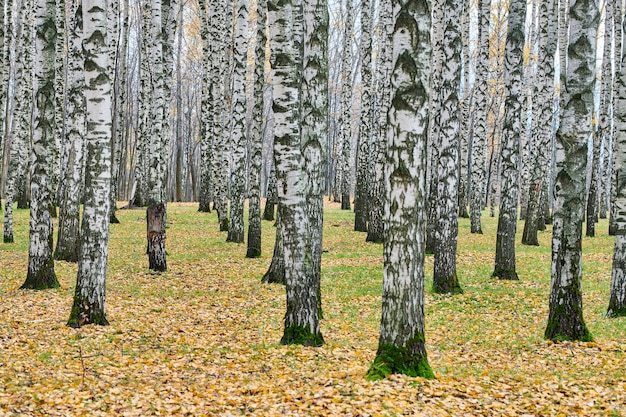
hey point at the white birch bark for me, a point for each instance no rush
(256, 135)
(40, 263)
(238, 133)
(158, 142)
(314, 131)
(21, 126)
(401, 346)
(301, 318)
(565, 319)
(67, 247)
(206, 124)
(617, 302)
(346, 107)
(365, 131)
(447, 170)
(542, 118)
(511, 132)
(375, 227)
(90, 293)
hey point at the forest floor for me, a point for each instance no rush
(202, 339)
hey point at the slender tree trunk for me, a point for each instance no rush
(445, 278)
(68, 243)
(221, 81)
(479, 137)
(542, 116)
(238, 134)
(256, 140)
(401, 345)
(286, 31)
(612, 174)
(365, 132)
(270, 201)
(276, 272)
(507, 219)
(21, 126)
(157, 171)
(89, 296)
(207, 117)
(617, 302)
(375, 231)
(565, 319)
(437, 63)
(346, 106)
(41, 273)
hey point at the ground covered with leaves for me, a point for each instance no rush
(202, 338)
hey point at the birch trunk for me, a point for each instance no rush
(401, 346)
(256, 136)
(542, 115)
(363, 147)
(206, 123)
(90, 293)
(346, 107)
(67, 248)
(40, 262)
(375, 230)
(157, 166)
(238, 134)
(565, 319)
(617, 302)
(507, 218)
(286, 35)
(21, 126)
(447, 170)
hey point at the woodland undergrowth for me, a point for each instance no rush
(203, 338)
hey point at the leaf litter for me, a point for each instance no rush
(202, 338)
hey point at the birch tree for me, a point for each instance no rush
(542, 117)
(447, 170)
(256, 136)
(565, 320)
(206, 123)
(89, 295)
(68, 242)
(157, 166)
(507, 217)
(346, 107)
(601, 130)
(40, 262)
(401, 345)
(238, 134)
(375, 227)
(617, 302)
(363, 147)
(20, 135)
(286, 35)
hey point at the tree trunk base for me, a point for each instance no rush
(447, 285)
(301, 335)
(45, 278)
(505, 275)
(8, 238)
(224, 225)
(410, 360)
(82, 313)
(156, 237)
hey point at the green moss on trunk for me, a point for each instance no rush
(503, 274)
(447, 285)
(45, 278)
(566, 323)
(224, 225)
(410, 360)
(614, 312)
(301, 335)
(82, 313)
